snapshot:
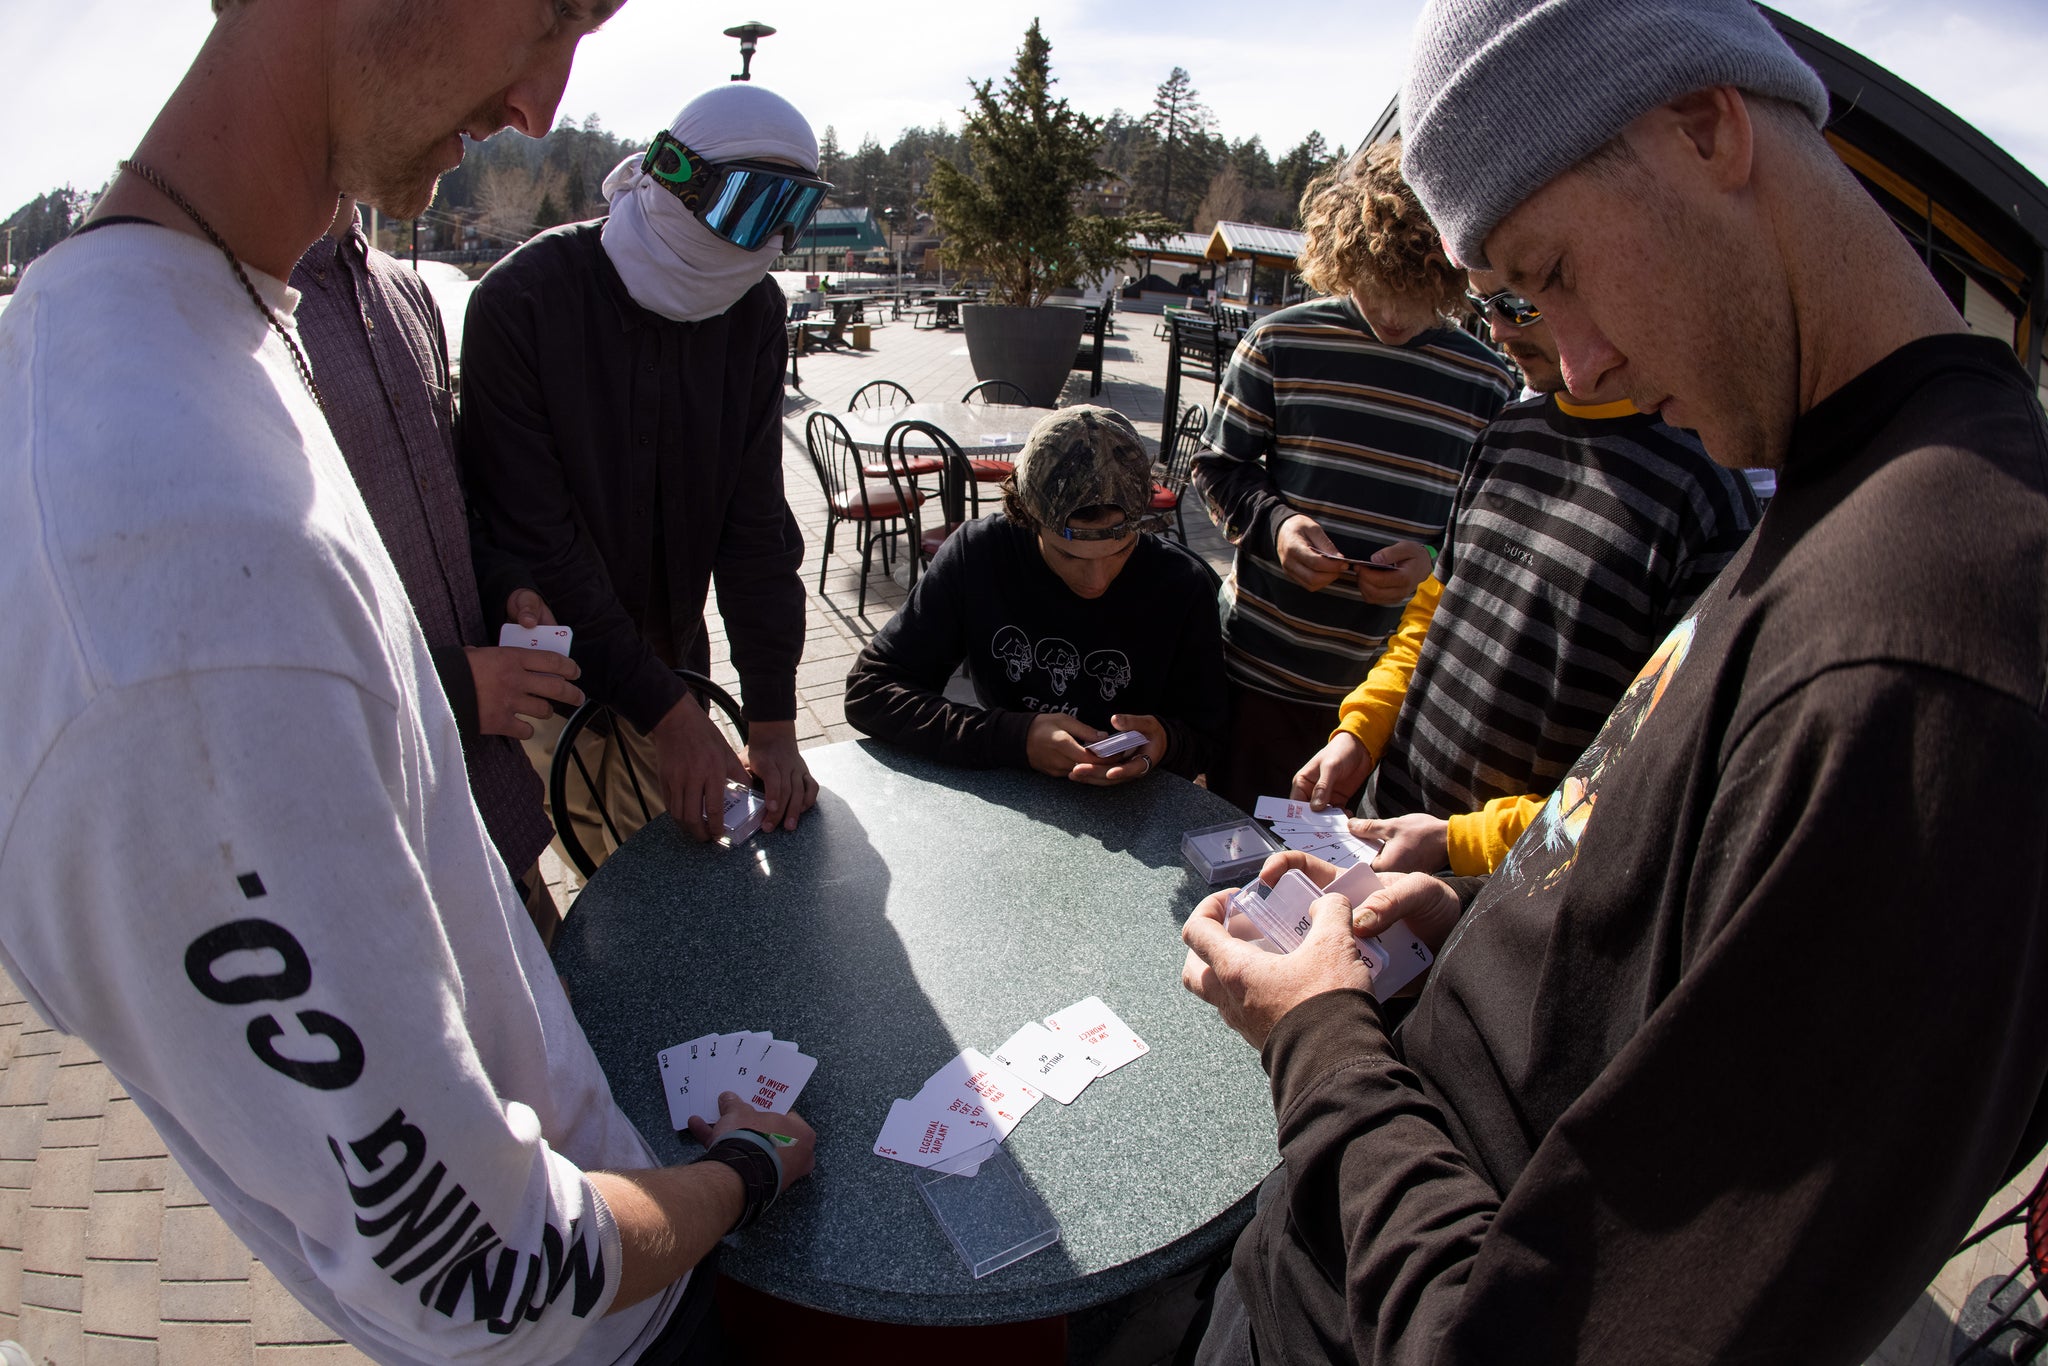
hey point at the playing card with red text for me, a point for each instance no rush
(1003, 1099)
(920, 1135)
(1040, 1058)
(778, 1076)
(555, 638)
(1286, 811)
(1103, 1038)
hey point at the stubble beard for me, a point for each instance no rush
(398, 162)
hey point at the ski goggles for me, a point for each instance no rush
(1507, 305)
(744, 202)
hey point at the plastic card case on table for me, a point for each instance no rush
(990, 1214)
(1229, 852)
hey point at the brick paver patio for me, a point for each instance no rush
(108, 1255)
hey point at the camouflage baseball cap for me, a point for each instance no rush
(1085, 457)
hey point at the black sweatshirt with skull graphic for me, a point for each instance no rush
(1149, 646)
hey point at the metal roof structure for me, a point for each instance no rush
(1179, 246)
(1257, 243)
(1972, 211)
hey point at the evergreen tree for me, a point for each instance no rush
(1181, 125)
(829, 157)
(1011, 214)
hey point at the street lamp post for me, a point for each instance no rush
(749, 34)
(889, 217)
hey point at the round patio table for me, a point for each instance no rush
(919, 910)
(982, 430)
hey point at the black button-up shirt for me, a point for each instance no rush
(594, 432)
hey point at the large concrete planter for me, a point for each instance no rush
(1033, 348)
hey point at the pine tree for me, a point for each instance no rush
(1011, 214)
(1181, 123)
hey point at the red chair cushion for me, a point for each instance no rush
(916, 465)
(881, 502)
(1164, 499)
(932, 537)
(992, 471)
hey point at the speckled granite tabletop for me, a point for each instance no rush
(920, 910)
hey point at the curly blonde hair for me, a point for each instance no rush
(1367, 232)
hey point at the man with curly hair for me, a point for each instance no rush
(1341, 432)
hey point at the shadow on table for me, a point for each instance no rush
(788, 933)
(1144, 820)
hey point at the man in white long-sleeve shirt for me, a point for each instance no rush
(240, 853)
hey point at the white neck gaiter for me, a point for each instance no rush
(670, 262)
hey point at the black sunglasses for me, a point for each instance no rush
(1509, 306)
(745, 202)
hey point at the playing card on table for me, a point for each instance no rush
(1103, 1039)
(1002, 1099)
(921, 1135)
(1038, 1057)
(555, 638)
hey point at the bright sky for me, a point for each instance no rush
(82, 78)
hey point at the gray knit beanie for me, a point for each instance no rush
(1503, 96)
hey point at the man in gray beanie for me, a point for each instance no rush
(1724, 1060)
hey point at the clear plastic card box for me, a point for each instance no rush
(988, 1210)
(1229, 852)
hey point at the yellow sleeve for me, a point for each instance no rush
(1369, 712)
(1479, 840)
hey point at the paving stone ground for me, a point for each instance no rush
(108, 1255)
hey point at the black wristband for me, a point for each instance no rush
(758, 1172)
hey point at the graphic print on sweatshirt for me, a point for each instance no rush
(1546, 851)
(408, 1199)
(1061, 665)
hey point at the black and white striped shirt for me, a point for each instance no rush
(1317, 416)
(1579, 539)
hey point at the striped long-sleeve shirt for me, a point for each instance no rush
(1582, 536)
(1316, 416)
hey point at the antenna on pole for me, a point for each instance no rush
(749, 33)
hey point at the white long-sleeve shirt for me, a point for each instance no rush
(238, 854)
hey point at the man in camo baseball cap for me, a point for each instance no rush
(1079, 460)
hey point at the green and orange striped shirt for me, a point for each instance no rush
(1317, 416)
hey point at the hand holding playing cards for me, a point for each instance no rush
(696, 764)
(513, 683)
(1386, 587)
(1336, 772)
(1425, 905)
(734, 1113)
(1056, 743)
(786, 782)
(1252, 988)
(1417, 842)
(1124, 767)
(1305, 550)
(528, 609)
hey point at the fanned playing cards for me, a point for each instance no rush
(762, 1070)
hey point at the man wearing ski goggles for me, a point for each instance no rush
(744, 202)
